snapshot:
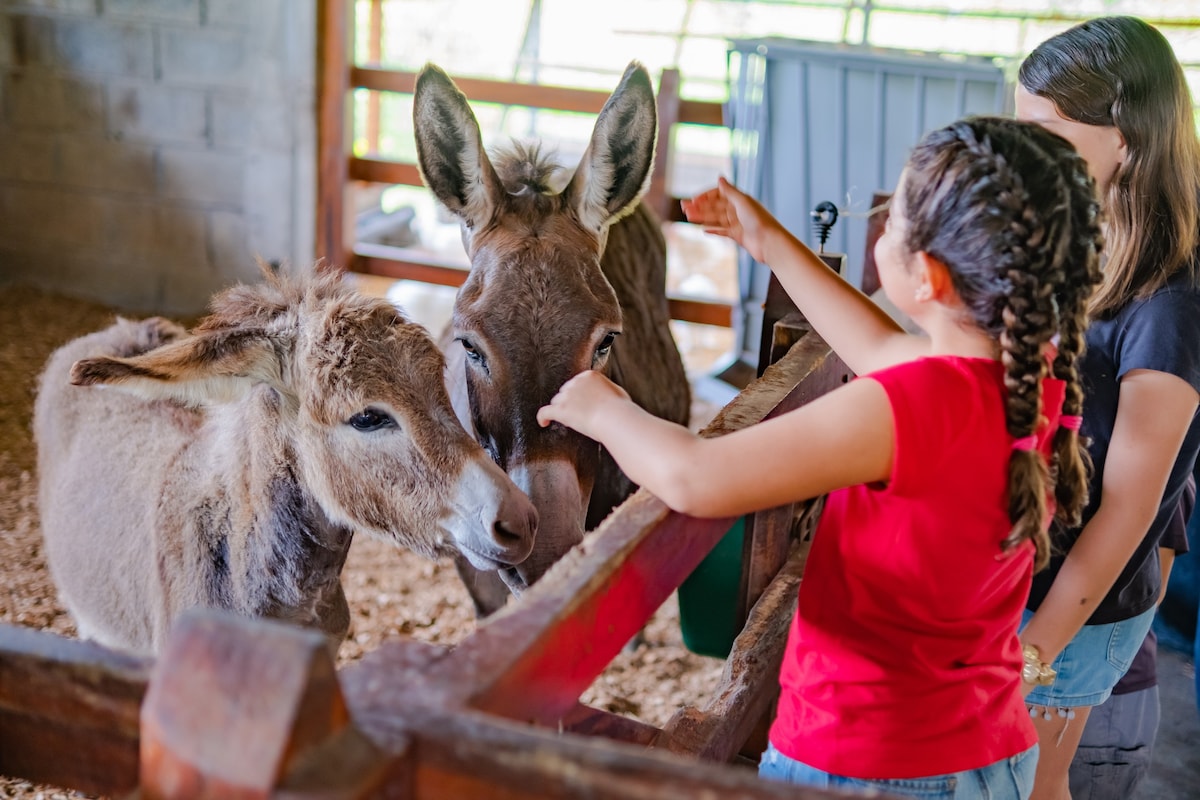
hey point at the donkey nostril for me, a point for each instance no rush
(506, 537)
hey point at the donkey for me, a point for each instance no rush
(562, 279)
(229, 467)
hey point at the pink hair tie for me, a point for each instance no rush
(1070, 421)
(1026, 443)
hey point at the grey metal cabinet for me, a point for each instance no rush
(814, 121)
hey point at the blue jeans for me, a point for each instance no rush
(1006, 779)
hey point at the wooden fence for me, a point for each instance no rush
(251, 708)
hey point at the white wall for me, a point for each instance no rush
(151, 149)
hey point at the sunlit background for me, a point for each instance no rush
(587, 45)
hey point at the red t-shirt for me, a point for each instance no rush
(903, 659)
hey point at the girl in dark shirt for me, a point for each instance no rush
(1113, 87)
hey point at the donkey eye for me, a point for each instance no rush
(371, 420)
(472, 353)
(605, 345)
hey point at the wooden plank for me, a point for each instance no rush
(588, 721)
(782, 322)
(60, 695)
(766, 541)
(232, 703)
(334, 25)
(468, 757)
(382, 170)
(749, 684)
(409, 263)
(374, 55)
(701, 312)
(701, 112)
(769, 533)
(462, 753)
(485, 90)
(575, 620)
(658, 195)
(349, 766)
(875, 224)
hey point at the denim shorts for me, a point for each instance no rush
(1006, 779)
(1092, 663)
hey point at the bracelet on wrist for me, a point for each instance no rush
(1033, 669)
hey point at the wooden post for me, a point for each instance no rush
(658, 195)
(232, 703)
(69, 711)
(875, 223)
(334, 32)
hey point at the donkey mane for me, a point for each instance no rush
(278, 294)
(527, 166)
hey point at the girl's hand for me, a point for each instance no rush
(726, 211)
(582, 403)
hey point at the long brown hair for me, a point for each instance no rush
(1121, 71)
(1011, 211)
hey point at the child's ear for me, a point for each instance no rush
(934, 276)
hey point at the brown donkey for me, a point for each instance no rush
(562, 279)
(229, 467)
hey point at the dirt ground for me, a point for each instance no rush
(391, 592)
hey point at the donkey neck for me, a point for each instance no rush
(283, 554)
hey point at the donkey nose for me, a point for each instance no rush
(515, 527)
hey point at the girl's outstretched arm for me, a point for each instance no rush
(862, 333)
(843, 438)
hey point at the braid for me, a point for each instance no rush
(1073, 464)
(1008, 208)
(1032, 269)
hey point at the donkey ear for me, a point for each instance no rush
(450, 150)
(212, 367)
(615, 170)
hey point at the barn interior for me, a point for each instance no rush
(153, 152)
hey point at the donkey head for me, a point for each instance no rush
(349, 395)
(536, 308)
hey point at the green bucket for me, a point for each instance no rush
(708, 597)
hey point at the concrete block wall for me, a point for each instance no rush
(150, 150)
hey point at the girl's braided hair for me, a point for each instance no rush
(1011, 211)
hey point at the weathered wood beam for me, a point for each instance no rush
(69, 711)
(749, 683)
(472, 756)
(233, 703)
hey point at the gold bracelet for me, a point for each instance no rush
(1034, 670)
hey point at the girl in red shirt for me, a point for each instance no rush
(943, 462)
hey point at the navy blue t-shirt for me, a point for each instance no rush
(1161, 333)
